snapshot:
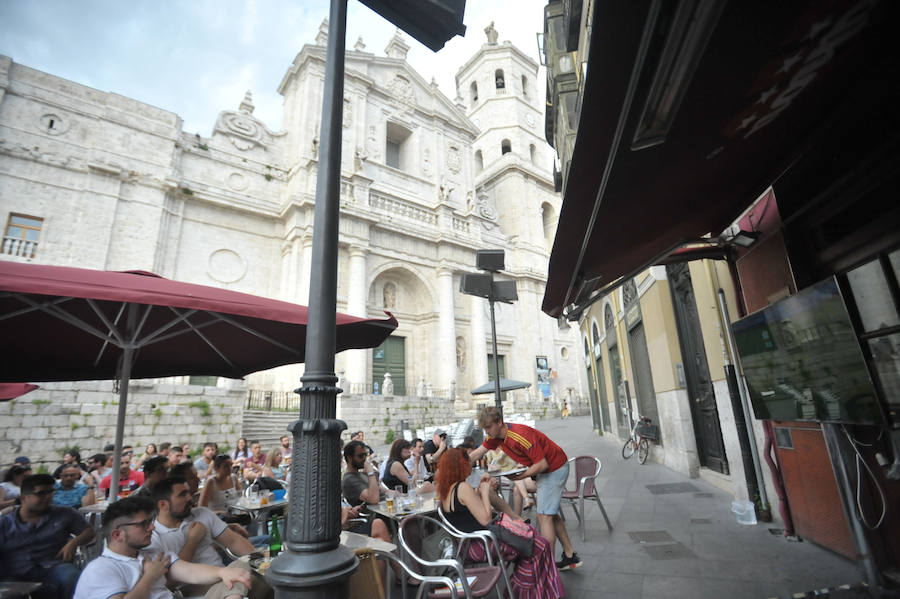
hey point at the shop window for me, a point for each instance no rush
(22, 235)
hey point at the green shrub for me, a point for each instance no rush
(202, 405)
(389, 437)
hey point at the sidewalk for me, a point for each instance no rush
(700, 551)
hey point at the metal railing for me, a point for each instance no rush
(16, 246)
(278, 401)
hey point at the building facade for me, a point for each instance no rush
(97, 180)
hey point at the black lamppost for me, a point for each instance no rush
(314, 564)
(495, 291)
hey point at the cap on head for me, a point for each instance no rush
(22, 460)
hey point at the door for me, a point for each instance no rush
(643, 379)
(601, 387)
(705, 415)
(615, 369)
(595, 408)
(390, 356)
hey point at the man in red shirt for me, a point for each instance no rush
(545, 461)
(128, 479)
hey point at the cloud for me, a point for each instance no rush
(198, 58)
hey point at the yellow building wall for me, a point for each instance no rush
(707, 277)
(662, 335)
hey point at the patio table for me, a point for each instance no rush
(256, 511)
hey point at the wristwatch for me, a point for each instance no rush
(373, 473)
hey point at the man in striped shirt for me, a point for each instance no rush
(545, 461)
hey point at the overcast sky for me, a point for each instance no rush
(198, 57)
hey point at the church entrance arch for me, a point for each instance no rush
(404, 355)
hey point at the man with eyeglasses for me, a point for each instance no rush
(127, 567)
(38, 540)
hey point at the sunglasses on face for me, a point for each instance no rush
(145, 523)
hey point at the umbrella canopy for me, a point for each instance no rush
(505, 385)
(77, 324)
(72, 324)
(13, 390)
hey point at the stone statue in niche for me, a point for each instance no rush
(389, 296)
(460, 354)
(359, 158)
(470, 202)
(388, 387)
(421, 388)
(491, 33)
(315, 146)
(444, 190)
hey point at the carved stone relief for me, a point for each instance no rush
(53, 124)
(402, 93)
(347, 117)
(389, 296)
(486, 210)
(454, 160)
(237, 181)
(461, 354)
(226, 266)
(427, 169)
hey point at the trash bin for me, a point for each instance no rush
(745, 511)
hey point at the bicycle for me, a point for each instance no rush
(637, 441)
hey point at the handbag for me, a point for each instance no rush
(514, 533)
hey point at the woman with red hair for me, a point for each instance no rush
(468, 509)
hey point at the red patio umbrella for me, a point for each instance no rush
(66, 324)
(13, 390)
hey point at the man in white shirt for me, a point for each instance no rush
(416, 462)
(126, 568)
(188, 532)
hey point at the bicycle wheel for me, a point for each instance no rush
(628, 448)
(643, 451)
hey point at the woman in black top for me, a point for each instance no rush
(468, 509)
(395, 472)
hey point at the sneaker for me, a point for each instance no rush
(569, 563)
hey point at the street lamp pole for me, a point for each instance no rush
(497, 402)
(315, 564)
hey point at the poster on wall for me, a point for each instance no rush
(543, 375)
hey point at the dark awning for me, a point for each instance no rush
(769, 88)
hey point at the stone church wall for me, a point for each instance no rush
(44, 422)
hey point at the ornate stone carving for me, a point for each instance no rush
(461, 354)
(629, 292)
(427, 169)
(454, 160)
(388, 387)
(347, 117)
(491, 34)
(402, 93)
(226, 266)
(389, 296)
(609, 322)
(237, 181)
(486, 210)
(421, 387)
(372, 145)
(243, 130)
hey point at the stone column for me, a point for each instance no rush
(357, 293)
(305, 267)
(479, 341)
(446, 330)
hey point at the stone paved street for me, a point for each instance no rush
(710, 554)
(696, 549)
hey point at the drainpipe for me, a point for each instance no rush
(745, 432)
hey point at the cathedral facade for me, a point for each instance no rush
(97, 180)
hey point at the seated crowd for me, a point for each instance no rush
(172, 529)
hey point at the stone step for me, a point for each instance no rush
(266, 427)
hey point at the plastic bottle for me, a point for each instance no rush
(274, 537)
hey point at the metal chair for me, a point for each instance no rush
(587, 468)
(491, 545)
(485, 577)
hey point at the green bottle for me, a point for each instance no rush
(274, 537)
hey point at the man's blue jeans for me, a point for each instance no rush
(56, 582)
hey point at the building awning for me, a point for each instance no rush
(691, 110)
